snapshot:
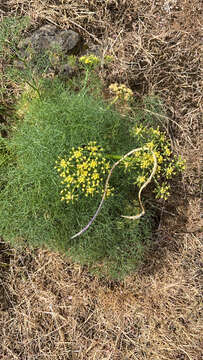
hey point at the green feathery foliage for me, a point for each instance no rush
(31, 208)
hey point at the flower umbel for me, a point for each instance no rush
(83, 172)
(168, 165)
(90, 60)
(121, 92)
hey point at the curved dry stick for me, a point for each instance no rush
(106, 187)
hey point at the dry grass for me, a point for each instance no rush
(55, 310)
(51, 309)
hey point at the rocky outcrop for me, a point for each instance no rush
(49, 45)
(49, 37)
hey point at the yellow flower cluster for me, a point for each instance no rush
(90, 60)
(142, 162)
(146, 160)
(122, 92)
(181, 163)
(140, 179)
(163, 191)
(83, 172)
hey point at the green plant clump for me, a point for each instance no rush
(65, 146)
(60, 129)
(31, 208)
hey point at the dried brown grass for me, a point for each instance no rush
(51, 309)
(55, 310)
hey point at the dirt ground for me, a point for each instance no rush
(52, 309)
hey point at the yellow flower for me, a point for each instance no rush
(90, 190)
(81, 179)
(181, 164)
(69, 197)
(95, 176)
(69, 179)
(150, 145)
(63, 174)
(167, 151)
(137, 130)
(169, 171)
(160, 159)
(93, 164)
(113, 87)
(108, 191)
(156, 131)
(140, 179)
(89, 60)
(63, 163)
(77, 154)
(121, 92)
(146, 161)
(164, 192)
(94, 149)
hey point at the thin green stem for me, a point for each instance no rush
(85, 80)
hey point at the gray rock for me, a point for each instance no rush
(69, 41)
(46, 50)
(48, 37)
(93, 49)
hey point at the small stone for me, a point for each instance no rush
(48, 38)
(47, 46)
(69, 41)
